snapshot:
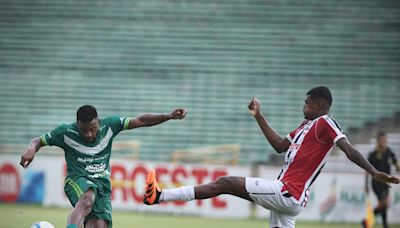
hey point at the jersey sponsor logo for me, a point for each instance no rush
(98, 170)
(106, 173)
(85, 160)
(95, 168)
(90, 150)
(90, 160)
(294, 146)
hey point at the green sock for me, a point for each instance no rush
(72, 226)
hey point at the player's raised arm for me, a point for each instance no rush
(147, 120)
(279, 143)
(355, 156)
(29, 154)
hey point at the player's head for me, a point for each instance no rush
(87, 122)
(317, 102)
(381, 140)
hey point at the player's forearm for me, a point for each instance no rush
(154, 119)
(34, 144)
(27, 157)
(270, 134)
(356, 157)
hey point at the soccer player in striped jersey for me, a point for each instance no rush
(87, 146)
(307, 149)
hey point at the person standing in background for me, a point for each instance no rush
(381, 158)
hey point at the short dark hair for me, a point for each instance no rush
(380, 134)
(86, 113)
(321, 92)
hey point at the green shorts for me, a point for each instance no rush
(75, 187)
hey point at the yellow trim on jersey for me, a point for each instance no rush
(43, 140)
(126, 123)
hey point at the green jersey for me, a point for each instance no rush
(90, 160)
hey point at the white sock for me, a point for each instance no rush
(184, 193)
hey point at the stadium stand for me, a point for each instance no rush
(132, 57)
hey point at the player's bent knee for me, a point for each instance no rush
(101, 224)
(98, 223)
(222, 181)
(86, 202)
(232, 185)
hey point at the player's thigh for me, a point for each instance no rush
(381, 192)
(75, 188)
(281, 220)
(101, 210)
(268, 194)
(383, 198)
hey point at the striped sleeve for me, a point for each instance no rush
(329, 130)
(118, 123)
(43, 140)
(125, 123)
(54, 137)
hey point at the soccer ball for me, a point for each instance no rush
(42, 224)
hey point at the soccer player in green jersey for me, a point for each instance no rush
(87, 146)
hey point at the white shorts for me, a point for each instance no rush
(267, 193)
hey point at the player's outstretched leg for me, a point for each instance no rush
(231, 185)
(81, 210)
(223, 185)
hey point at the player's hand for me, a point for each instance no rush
(179, 113)
(27, 157)
(386, 178)
(254, 107)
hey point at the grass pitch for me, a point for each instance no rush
(23, 215)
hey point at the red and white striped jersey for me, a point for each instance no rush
(310, 146)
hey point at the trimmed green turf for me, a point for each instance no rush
(22, 215)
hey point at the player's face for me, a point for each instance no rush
(89, 130)
(382, 142)
(310, 108)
